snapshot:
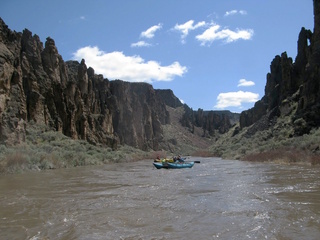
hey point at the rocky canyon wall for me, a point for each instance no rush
(37, 85)
(292, 83)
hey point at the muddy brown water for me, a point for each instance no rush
(216, 199)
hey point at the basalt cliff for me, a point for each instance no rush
(287, 118)
(37, 86)
(292, 82)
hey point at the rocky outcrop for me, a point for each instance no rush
(209, 121)
(169, 98)
(315, 57)
(292, 82)
(13, 107)
(37, 85)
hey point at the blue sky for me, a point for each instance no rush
(213, 54)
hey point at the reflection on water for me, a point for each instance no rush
(216, 199)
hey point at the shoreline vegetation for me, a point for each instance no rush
(45, 149)
(24, 158)
(276, 144)
(53, 150)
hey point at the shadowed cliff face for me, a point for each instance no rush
(210, 121)
(169, 98)
(290, 83)
(138, 114)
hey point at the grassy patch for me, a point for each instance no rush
(45, 149)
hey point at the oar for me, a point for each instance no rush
(193, 161)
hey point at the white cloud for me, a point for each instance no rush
(243, 12)
(213, 33)
(235, 99)
(115, 65)
(233, 12)
(245, 83)
(149, 33)
(186, 27)
(140, 44)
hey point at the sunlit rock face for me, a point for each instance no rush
(37, 85)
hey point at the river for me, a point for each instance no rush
(216, 199)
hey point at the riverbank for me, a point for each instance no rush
(46, 149)
(285, 156)
(24, 158)
(68, 153)
(275, 144)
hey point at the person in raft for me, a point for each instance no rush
(179, 159)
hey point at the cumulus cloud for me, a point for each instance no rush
(116, 65)
(233, 12)
(149, 33)
(186, 27)
(215, 33)
(235, 99)
(245, 83)
(140, 44)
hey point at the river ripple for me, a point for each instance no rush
(216, 199)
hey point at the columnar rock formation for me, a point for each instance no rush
(37, 85)
(210, 121)
(292, 82)
(138, 114)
